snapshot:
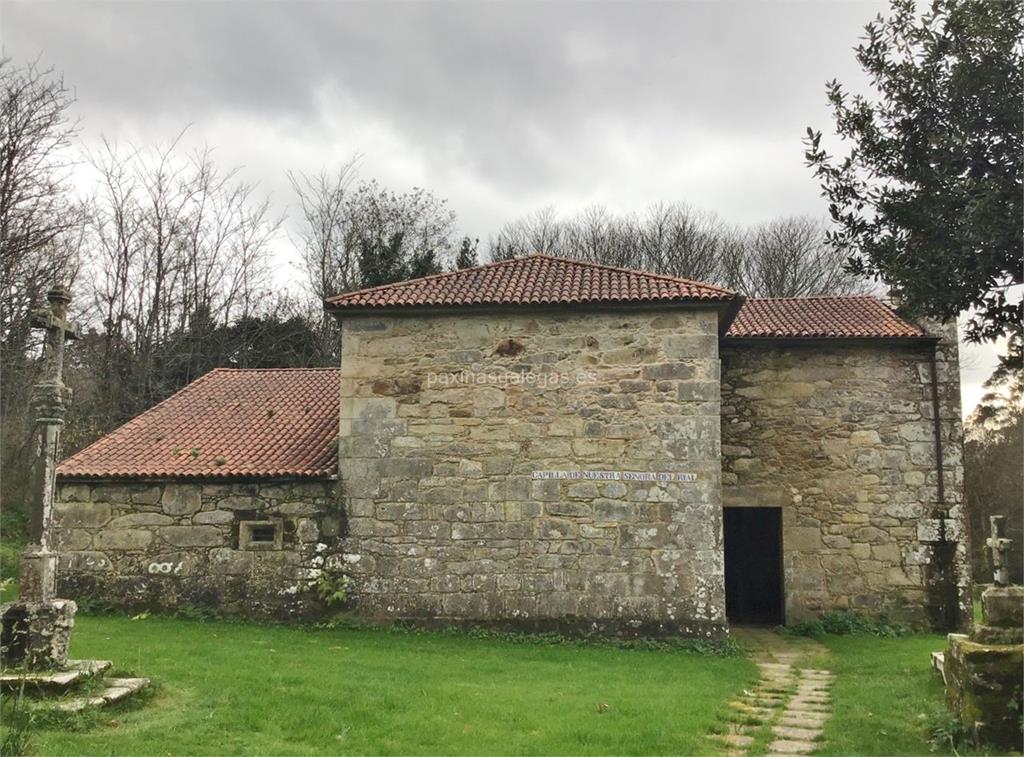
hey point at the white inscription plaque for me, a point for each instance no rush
(614, 475)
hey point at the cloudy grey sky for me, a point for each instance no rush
(499, 107)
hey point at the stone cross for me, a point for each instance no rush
(998, 545)
(50, 399)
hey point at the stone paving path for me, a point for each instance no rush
(787, 707)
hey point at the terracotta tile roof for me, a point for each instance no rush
(228, 423)
(820, 317)
(531, 280)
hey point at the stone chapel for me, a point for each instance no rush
(542, 444)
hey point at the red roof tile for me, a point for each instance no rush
(531, 280)
(820, 317)
(229, 423)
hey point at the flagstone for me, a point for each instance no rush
(788, 746)
(803, 719)
(796, 734)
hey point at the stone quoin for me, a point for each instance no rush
(543, 443)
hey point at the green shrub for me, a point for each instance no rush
(190, 611)
(708, 647)
(333, 588)
(947, 733)
(92, 606)
(848, 624)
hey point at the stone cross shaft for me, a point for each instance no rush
(998, 545)
(50, 399)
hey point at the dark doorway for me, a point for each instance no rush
(753, 565)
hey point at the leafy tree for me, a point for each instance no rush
(928, 199)
(380, 260)
(466, 257)
(399, 236)
(364, 235)
(422, 263)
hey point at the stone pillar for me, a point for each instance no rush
(983, 670)
(35, 631)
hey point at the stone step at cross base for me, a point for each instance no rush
(53, 681)
(117, 690)
(57, 689)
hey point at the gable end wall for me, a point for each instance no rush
(842, 438)
(439, 444)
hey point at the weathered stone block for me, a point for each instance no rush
(213, 518)
(697, 391)
(181, 499)
(293, 509)
(865, 438)
(237, 502)
(644, 536)
(192, 536)
(405, 467)
(122, 539)
(804, 539)
(307, 530)
(146, 495)
(81, 514)
(548, 490)
(134, 520)
(569, 508)
(1003, 606)
(72, 539)
(225, 561)
(675, 371)
(74, 493)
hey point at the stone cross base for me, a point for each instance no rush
(36, 635)
(983, 670)
(1002, 616)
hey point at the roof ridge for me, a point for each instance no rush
(820, 297)
(431, 277)
(231, 369)
(545, 278)
(634, 271)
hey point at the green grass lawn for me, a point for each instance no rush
(885, 697)
(240, 688)
(245, 688)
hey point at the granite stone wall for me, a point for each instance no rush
(239, 548)
(842, 438)
(502, 468)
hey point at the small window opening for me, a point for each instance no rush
(262, 533)
(259, 535)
